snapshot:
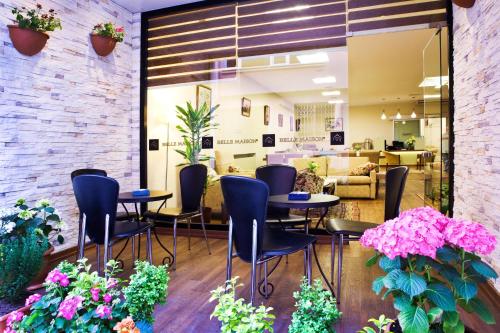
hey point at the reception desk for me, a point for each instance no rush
(405, 157)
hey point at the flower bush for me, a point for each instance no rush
(432, 266)
(316, 309)
(237, 316)
(78, 300)
(109, 30)
(36, 20)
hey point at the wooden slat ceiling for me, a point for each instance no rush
(205, 43)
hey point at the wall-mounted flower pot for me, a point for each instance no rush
(103, 45)
(27, 41)
(465, 3)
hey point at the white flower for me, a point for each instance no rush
(43, 203)
(9, 227)
(6, 212)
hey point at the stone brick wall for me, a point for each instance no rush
(67, 108)
(477, 116)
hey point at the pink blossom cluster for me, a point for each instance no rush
(95, 294)
(69, 306)
(57, 277)
(103, 311)
(423, 231)
(32, 299)
(14, 317)
(111, 283)
(470, 236)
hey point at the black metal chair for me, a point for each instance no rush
(346, 230)
(97, 198)
(192, 180)
(281, 180)
(254, 242)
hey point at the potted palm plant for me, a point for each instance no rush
(29, 35)
(105, 36)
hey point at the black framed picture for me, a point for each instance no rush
(268, 140)
(154, 144)
(297, 125)
(246, 106)
(267, 114)
(336, 138)
(334, 124)
(203, 96)
(207, 142)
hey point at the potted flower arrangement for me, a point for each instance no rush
(104, 37)
(26, 238)
(433, 267)
(410, 142)
(78, 300)
(357, 149)
(29, 35)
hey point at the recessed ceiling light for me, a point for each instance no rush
(313, 58)
(331, 93)
(324, 79)
(432, 96)
(434, 81)
(336, 101)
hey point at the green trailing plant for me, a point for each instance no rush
(147, 287)
(381, 324)
(20, 262)
(237, 316)
(109, 30)
(36, 19)
(316, 309)
(196, 122)
(312, 166)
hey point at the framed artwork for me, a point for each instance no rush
(203, 96)
(297, 124)
(334, 124)
(267, 114)
(280, 120)
(337, 138)
(246, 106)
(291, 124)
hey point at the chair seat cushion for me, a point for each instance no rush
(348, 227)
(288, 219)
(278, 242)
(128, 228)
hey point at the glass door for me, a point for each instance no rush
(435, 156)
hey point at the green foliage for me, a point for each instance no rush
(237, 316)
(20, 262)
(109, 30)
(312, 166)
(316, 309)
(427, 291)
(381, 324)
(147, 287)
(196, 122)
(36, 20)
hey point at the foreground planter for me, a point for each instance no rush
(103, 45)
(3, 319)
(37, 282)
(27, 41)
(395, 328)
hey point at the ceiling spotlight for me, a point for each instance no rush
(404, 122)
(313, 58)
(336, 101)
(413, 115)
(398, 116)
(331, 93)
(324, 79)
(383, 116)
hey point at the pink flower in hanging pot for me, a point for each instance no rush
(120, 29)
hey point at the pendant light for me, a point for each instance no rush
(398, 115)
(383, 116)
(413, 114)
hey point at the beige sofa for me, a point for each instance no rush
(338, 168)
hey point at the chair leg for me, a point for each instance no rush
(81, 249)
(309, 265)
(266, 294)
(150, 247)
(189, 234)
(205, 231)
(174, 264)
(339, 269)
(254, 262)
(98, 258)
(133, 249)
(80, 221)
(229, 259)
(286, 259)
(332, 259)
(106, 244)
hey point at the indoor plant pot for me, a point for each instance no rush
(38, 280)
(3, 319)
(27, 41)
(103, 45)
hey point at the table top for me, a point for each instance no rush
(128, 197)
(316, 201)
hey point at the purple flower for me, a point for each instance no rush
(32, 299)
(11, 319)
(69, 306)
(107, 298)
(470, 236)
(103, 311)
(57, 277)
(95, 294)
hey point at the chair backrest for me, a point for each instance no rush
(245, 200)
(281, 180)
(193, 179)
(97, 196)
(80, 172)
(395, 181)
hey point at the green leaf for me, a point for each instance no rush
(367, 329)
(447, 254)
(402, 302)
(420, 262)
(389, 264)
(434, 314)
(451, 317)
(483, 312)
(458, 328)
(373, 260)
(391, 278)
(412, 284)
(465, 288)
(484, 269)
(378, 284)
(414, 320)
(441, 296)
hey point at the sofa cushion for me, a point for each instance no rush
(358, 180)
(363, 169)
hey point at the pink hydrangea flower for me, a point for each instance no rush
(57, 277)
(470, 236)
(14, 317)
(103, 311)
(32, 299)
(111, 283)
(69, 306)
(107, 298)
(95, 294)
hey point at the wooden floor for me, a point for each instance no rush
(188, 309)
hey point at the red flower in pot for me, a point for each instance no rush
(105, 36)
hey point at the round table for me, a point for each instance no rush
(322, 201)
(154, 195)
